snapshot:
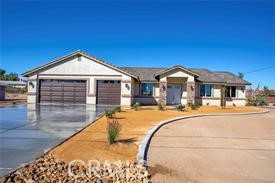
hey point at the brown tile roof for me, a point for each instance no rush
(205, 75)
(147, 74)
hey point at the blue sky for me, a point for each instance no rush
(232, 36)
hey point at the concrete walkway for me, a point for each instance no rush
(215, 149)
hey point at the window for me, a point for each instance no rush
(109, 81)
(206, 90)
(230, 91)
(147, 89)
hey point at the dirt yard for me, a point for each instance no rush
(91, 143)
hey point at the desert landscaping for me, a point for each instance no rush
(91, 144)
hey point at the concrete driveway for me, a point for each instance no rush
(27, 131)
(215, 149)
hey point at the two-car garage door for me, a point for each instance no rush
(63, 91)
(74, 91)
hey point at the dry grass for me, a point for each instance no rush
(91, 143)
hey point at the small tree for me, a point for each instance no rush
(161, 106)
(223, 94)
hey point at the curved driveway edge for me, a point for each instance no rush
(144, 146)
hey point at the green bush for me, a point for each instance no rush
(113, 130)
(161, 106)
(110, 113)
(234, 105)
(136, 106)
(180, 107)
(194, 106)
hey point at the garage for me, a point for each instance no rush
(62, 91)
(108, 92)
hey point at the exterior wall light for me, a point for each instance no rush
(127, 86)
(31, 84)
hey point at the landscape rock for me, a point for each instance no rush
(47, 169)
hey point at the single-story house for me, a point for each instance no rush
(81, 78)
(16, 84)
(2, 90)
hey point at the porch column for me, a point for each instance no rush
(162, 91)
(191, 92)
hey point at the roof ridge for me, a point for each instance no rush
(75, 53)
(143, 67)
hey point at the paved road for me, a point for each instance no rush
(27, 131)
(215, 149)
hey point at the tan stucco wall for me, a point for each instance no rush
(239, 100)
(177, 73)
(85, 69)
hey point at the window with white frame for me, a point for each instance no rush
(205, 90)
(147, 89)
(230, 91)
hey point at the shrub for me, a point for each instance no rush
(136, 106)
(117, 109)
(13, 102)
(194, 106)
(234, 105)
(207, 103)
(110, 113)
(113, 130)
(161, 106)
(180, 107)
(258, 100)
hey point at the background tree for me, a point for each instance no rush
(241, 75)
(266, 90)
(8, 77)
(2, 73)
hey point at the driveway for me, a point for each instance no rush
(215, 149)
(27, 131)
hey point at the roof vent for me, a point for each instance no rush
(78, 57)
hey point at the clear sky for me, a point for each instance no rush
(232, 36)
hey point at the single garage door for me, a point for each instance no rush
(63, 91)
(108, 92)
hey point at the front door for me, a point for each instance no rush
(174, 93)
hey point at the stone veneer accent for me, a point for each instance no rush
(191, 89)
(162, 91)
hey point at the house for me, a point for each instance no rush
(271, 100)
(81, 78)
(15, 84)
(2, 90)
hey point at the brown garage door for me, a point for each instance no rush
(62, 91)
(108, 92)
